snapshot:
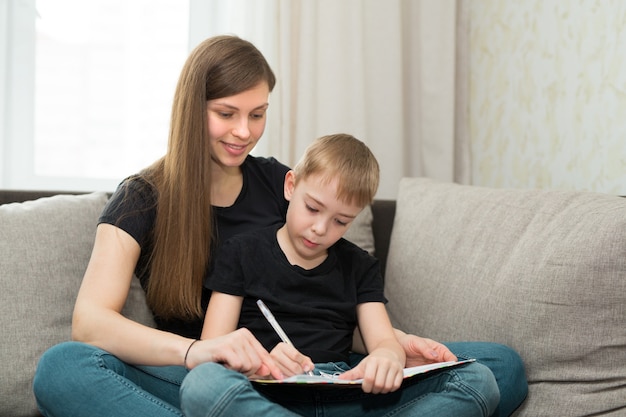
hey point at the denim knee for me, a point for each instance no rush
(484, 387)
(57, 375)
(505, 364)
(77, 379)
(208, 387)
(511, 378)
(515, 377)
(212, 390)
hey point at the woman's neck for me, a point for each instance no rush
(226, 184)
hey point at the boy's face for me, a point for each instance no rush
(316, 219)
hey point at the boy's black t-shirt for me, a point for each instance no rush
(260, 203)
(316, 307)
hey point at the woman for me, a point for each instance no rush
(162, 225)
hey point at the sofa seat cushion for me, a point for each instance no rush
(45, 246)
(541, 271)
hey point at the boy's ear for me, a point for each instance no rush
(290, 184)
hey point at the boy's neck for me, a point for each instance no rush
(286, 246)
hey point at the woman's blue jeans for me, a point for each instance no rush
(75, 379)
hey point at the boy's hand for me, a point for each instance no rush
(381, 371)
(290, 361)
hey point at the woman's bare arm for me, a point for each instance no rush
(97, 318)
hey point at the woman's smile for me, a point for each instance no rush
(235, 150)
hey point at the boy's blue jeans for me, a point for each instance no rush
(75, 379)
(212, 390)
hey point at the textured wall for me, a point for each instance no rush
(548, 94)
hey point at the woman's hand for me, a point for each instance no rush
(239, 351)
(422, 351)
(290, 361)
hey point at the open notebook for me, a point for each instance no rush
(325, 378)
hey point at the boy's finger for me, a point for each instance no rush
(354, 373)
(268, 365)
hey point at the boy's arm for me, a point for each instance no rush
(381, 370)
(418, 350)
(222, 315)
(376, 330)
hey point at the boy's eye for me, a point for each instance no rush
(341, 223)
(311, 209)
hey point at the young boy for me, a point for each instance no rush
(318, 285)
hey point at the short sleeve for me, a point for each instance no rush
(227, 275)
(132, 208)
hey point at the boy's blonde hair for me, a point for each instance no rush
(347, 159)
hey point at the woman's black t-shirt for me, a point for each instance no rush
(260, 203)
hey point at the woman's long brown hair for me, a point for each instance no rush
(219, 67)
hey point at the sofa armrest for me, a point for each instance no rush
(383, 212)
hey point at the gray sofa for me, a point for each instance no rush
(541, 271)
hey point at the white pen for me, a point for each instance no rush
(272, 320)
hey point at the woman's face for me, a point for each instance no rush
(236, 123)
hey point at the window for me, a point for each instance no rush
(103, 82)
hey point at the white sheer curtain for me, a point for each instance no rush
(4, 57)
(384, 71)
(15, 100)
(390, 72)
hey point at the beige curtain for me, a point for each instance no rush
(462, 153)
(384, 71)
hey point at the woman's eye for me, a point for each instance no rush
(224, 115)
(257, 115)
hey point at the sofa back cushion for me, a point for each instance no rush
(360, 232)
(45, 246)
(541, 271)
